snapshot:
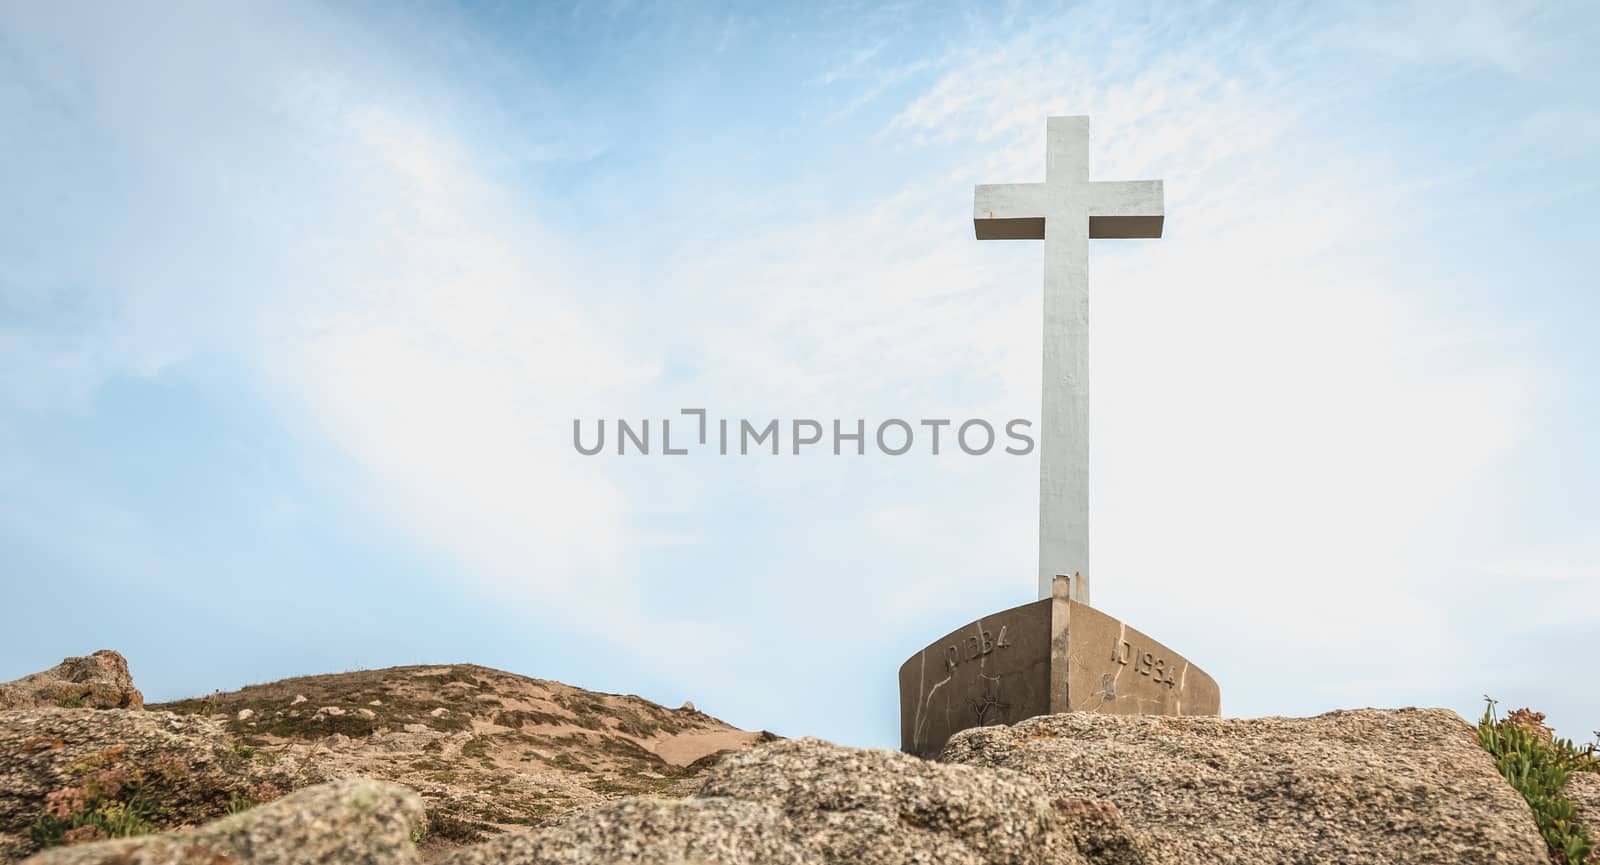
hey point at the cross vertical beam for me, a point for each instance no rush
(1065, 211)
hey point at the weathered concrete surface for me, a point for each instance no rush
(1366, 786)
(1065, 211)
(97, 681)
(1042, 658)
(1100, 664)
(349, 822)
(995, 670)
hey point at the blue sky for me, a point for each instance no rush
(298, 303)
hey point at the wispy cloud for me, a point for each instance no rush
(1285, 433)
(1292, 422)
(394, 305)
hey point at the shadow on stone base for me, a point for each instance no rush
(1049, 656)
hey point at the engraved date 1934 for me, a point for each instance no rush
(1146, 663)
(974, 647)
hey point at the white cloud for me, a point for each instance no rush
(1287, 426)
(392, 301)
(1286, 431)
(439, 341)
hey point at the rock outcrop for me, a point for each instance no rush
(350, 822)
(97, 681)
(61, 766)
(652, 832)
(1583, 790)
(1363, 786)
(14, 848)
(853, 805)
(489, 751)
(516, 771)
(807, 801)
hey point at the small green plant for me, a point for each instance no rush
(75, 819)
(71, 701)
(106, 798)
(126, 819)
(244, 751)
(1537, 764)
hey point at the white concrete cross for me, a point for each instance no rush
(1065, 211)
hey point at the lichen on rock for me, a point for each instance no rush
(1583, 790)
(653, 832)
(97, 681)
(808, 802)
(1366, 786)
(518, 771)
(860, 805)
(349, 822)
(72, 774)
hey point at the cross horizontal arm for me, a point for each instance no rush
(1125, 208)
(1009, 211)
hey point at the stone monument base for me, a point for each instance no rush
(1050, 656)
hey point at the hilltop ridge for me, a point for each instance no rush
(464, 765)
(488, 750)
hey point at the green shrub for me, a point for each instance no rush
(106, 798)
(1537, 764)
(97, 820)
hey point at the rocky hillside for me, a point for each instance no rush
(97, 681)
(461, 765)
(488, 751)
